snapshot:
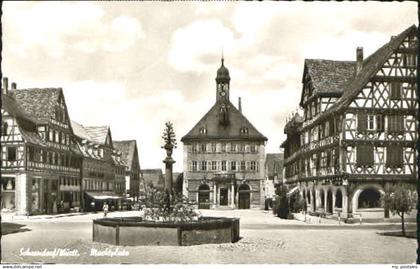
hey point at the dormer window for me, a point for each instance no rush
(4, 128)
(203, 130)
(244, 130)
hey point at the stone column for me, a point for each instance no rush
(325, 200)
(232, 195)
(21, 193)
(345, 206)
(333, 201)
(214, 195)
(168, 167)
(311, 194)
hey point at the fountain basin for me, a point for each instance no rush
(132, 231)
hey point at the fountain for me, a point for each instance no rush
(168, 219)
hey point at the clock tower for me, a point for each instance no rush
(222, 84)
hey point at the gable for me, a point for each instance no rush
(371, 67)
(209, 127)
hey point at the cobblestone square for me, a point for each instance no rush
(265, 240)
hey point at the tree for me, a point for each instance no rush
(401, 199)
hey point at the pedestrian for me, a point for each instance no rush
(105, 208)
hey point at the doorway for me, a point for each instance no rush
(223, 196)
(244, 197)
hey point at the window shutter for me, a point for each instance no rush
(394, 156)
(361, 122)
(380, 123)
(364, 155)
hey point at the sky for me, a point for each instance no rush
(135, 65)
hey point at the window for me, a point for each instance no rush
(327, 129)
(394, 156)
(253, 148)
(242, 147)
(203, 130)
(213, 147)
(203, 147)
(31, 153)
(203, 166)
(4, 128)
(395, 90)
(50, 135)
(11, 153)
(223, 147)
(233, 166)
(370, 122)
(395, 124)
(223, 165)
(56, 137)
(194, 166)
(233, 147)
(243, 130)
(194, 147)
(409, 60)
(214, 165)
(243, 165)
(364, 156)
(253, 166)
(361, 123)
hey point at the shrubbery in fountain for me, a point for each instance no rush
(159, 209)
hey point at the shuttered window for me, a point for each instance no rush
(395, 124)
(361, 123)
(395, 93)
(380, 124)
(394, 156)
(364, 155)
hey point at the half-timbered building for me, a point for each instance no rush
(357, 134)
(41, 165)
(103, 173)
(224, 155)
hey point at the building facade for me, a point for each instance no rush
(103, 170)
(130, 156)
(224, 155)
(273, 173)
(41, 164)
(356, 137)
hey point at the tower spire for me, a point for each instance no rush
(223, 60)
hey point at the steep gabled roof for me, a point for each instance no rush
(128, 149)
(12, 107)
(98, 134)
(371, 65)
(154, 176)
(274, 164)
(210, 121)
(39, 103)
(328, 76)
(79, 130)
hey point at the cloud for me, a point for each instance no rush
(58, 27)
(192, 47)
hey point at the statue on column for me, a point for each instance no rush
(170, 143)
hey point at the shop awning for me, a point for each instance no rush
(106, 195)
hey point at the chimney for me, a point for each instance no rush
(13, 86)
(5, 88)
(393, 37)
(359, 59)
(239, 104)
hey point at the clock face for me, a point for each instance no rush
(222, 93)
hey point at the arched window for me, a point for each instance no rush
(243, 130)
(369, 198)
